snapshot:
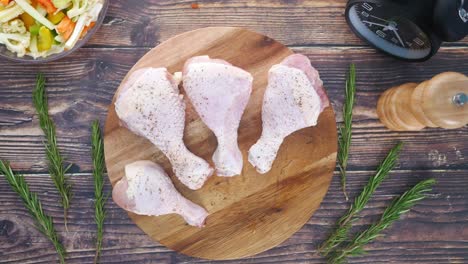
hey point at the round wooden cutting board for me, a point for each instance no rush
(249, 213)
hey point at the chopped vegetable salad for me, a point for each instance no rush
(39, 28)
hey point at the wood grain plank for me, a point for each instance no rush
(81, 89)
(310, 22)
(434, 231)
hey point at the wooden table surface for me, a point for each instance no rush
(82, 85)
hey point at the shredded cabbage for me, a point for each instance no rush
(14, 26)
(41, 10)
(44, 54)
(11, 11)
(61, 4)
(35, 14)
(15, 37)
(59, 39)
(79, 7)
(83, 21)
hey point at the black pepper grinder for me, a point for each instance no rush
(451, 19)
(411, 30)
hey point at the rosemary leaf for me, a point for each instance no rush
(55, 160)
(344, 223)
(98, 176)
(30, 200)
(344, 140)
(399, 206)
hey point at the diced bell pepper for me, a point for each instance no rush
(34, 29)
(28, 20)
(44, 39)
(56, 18)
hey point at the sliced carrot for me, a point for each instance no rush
(4, 2)
(65, 28)
(48, 5)
(86, 29)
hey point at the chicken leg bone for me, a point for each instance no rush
(294, 99)
(147, 190)
(150, 105)
(220, 93)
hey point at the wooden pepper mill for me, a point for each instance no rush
(438, 102)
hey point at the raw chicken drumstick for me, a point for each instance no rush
(219, 92)
(294, 99)
(150, 105)
(147, 190)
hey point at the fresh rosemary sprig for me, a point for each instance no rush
(98, 176)
(56, 168)
(344, 224)
(346, 129)
(44, 222)
(399, 206)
